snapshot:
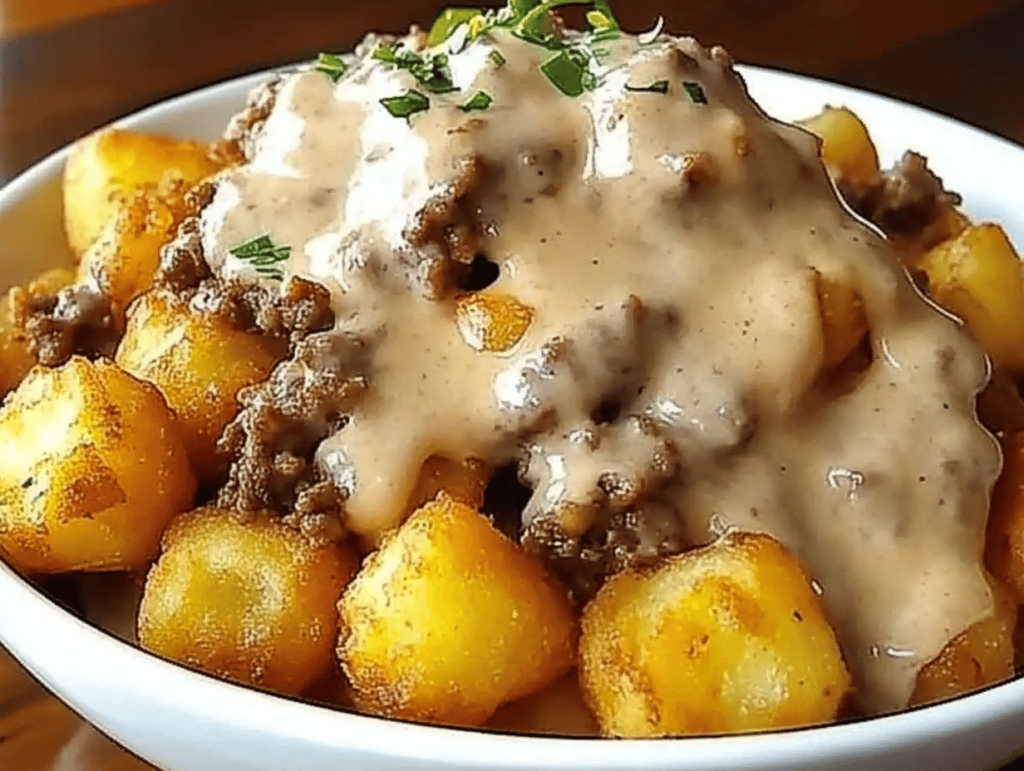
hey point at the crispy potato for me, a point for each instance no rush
(200, 362)
(450, 619)
(730, 637)
(843, 320)
(980, 656)
(124, 257)
(978, 276)
(106, 168)
(1004, 539)
(846, 147)
(492, 322)
(250, 601)
(464, 481)
(91, 470)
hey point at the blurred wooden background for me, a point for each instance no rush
(67, 66)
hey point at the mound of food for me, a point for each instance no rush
(588, 356)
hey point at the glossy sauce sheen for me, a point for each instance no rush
(668, 250)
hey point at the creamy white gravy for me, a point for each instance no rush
(669, 248)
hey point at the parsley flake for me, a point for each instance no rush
(481, 100)
(657, 87)
(695, 91)
(263, 255)
(406, 105)
(431, 72)
(331, 65)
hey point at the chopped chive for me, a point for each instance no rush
(657, 87)
(431, 72)
(406, 105)
(497, 57)
(566, 72)
(447, 22)
(481, 100)
(263, 255)
(695, 91)
(331, 65)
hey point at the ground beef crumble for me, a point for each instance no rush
(77, 319)
(909, 201)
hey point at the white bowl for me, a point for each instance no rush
(184, 721)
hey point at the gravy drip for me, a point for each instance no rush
(668, 249)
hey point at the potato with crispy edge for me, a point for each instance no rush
(843, 320)
(449, 619)
(846, 147)
(91, 470)
(1004, 539)
(106, 168)
(492, 322)
(979, 277)
(123, 259)
(252, 601)
(730, 637)
(199, 361)
(464, 481)
(981, 655)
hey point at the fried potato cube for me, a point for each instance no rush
(846, 147)
(106, 168)
(199, 361)
(449, 619)
(464, 481)
(91, 470)
(982, 655)
(843, 320)
(730, 637)
(124, 257)
(492, 322)
(979, 277)
(1004, 539)
(252, 601)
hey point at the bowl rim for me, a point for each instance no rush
(477, 748)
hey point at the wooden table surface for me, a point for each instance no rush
(67, 66)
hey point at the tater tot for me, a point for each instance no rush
(199, 362)
(449, 619)
(730, 637)
(91, 470)
(980, 656)
(251, 601)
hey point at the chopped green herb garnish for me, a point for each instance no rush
(695, 91)
(431, 72)
(406, 105)
(331, 65)
(481, 100)
(569, 71)
(497, 57)
(657, 87)
(261, 253)
(450, 20)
